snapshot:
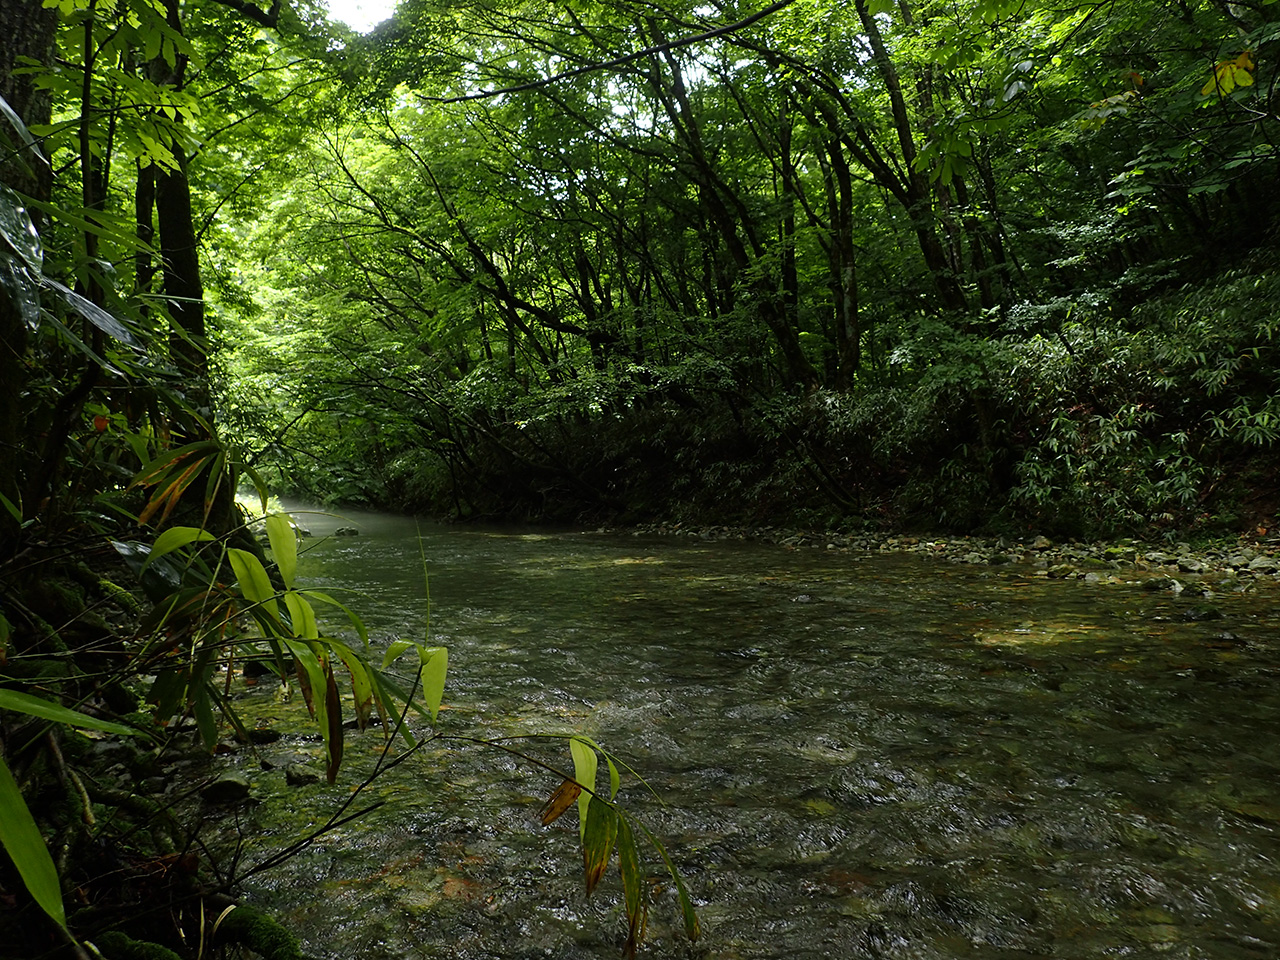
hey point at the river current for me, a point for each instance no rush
(856, 756)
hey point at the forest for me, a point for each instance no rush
(998, 266)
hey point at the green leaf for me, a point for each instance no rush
(94, 314)
(205, 721)
(173, 539)
(615, 779)
(597, 839)
(435, 664)
(632, 887)
(21, 838)
(395, 651)
(284, 545)
(252, 577)
(16, 121)
(303, 616)
(48, 710)
(585, 763)
(356, 623)
(12, 508)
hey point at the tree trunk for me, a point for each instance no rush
(28, 29)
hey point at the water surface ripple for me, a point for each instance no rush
(859, 756)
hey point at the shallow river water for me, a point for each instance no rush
(856, 756)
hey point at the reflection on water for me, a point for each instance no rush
(859, 757)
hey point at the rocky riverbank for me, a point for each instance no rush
(1240, 564)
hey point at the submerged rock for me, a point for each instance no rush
(230, 787)
(301, 774)
(346, 532)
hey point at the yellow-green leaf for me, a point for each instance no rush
(303, 616)
(284, 546)
(584, 771)
(361, 683)
(173, 539)
(252, 577)
(435, 664)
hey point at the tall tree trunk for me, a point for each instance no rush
(28, 29)
(919, 205)
(183, 289)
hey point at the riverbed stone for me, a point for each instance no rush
(229, 787)
(346, 532)
(301, 774)
(1190, 565)
(1264, 564)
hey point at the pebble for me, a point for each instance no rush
(1235, 565)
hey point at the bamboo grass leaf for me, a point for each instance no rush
(560, 801)
(284, 546)
(435, 665)
(597, 840)
(48, 710)
(585, 763)
(692, 928)
(303, 616)
(252, 577)
(333, 735)
(21, 838)
(632, 887)
(174, 539)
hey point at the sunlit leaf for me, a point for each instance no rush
(395, 650)
(284, 545)
(26, 848)
(585, 762)
(356, 623)
(252, 577)
(100, 318)
(435, 665)
(303, 616)
(174, 539)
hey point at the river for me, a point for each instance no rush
(857, 756)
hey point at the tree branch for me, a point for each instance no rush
(610, 64)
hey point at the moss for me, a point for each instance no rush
(260, 933)
(115, 945)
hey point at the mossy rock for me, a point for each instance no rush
(259, 932)
(115, 945)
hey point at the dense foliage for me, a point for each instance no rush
(139, 138)
(954, 263)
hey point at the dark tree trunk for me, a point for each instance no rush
(183, 289)
(28, 29)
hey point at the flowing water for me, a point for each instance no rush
(857, 756)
